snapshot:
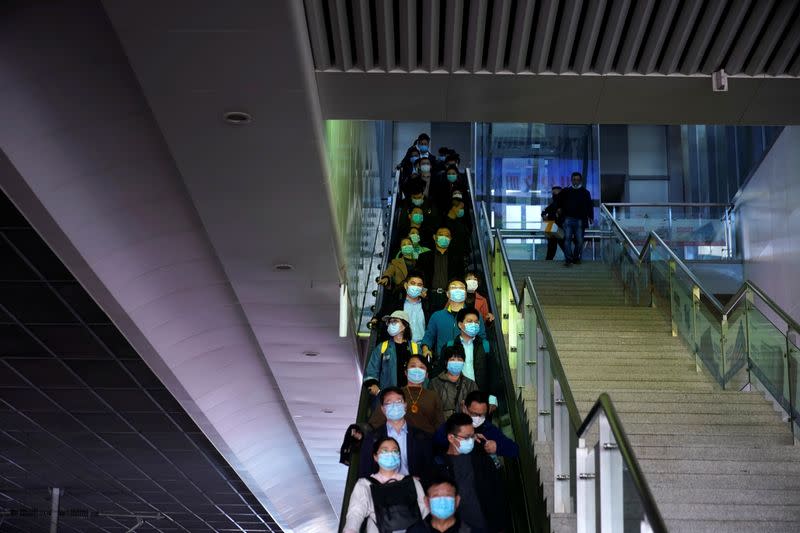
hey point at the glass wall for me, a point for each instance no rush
(360, 180)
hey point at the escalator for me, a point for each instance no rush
(521, 477)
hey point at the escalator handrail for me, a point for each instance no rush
(605, 405)
(536, 516)
(364, 399)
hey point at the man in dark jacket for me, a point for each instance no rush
(491, 437)
(575, 205)
(551, 213)
(416, 448)
(439, 266)
(483, 503)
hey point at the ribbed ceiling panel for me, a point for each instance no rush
(745, 37)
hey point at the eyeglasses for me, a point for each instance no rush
(464, 437)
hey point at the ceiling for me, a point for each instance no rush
(557, 61)
(114, 148)
(81, 411)
(744, 37)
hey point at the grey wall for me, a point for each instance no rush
(769, 217)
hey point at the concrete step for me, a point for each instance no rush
(644, 379)
(749, 441)
(730, 526)
(749, 467)
(576, 383)
(710, 408)
(700, 418)
(669, 396)
(698, 430)
(583, 351)
(777, 454)
(627, 345)
(726, 512)
(681, 481)
(666, 494)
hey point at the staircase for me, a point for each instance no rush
(716, 461)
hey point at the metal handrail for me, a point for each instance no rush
(605, 405)
(530, 482)
(603, 402)
(486, 219)
(668, 204)
(654, 240)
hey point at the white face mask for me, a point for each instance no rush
(477, 421)
(472, 285)
(578, 186)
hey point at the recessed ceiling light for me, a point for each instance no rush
(283, 267)
(310, 354)
(327, 411)
(298, 416)
(237, 117)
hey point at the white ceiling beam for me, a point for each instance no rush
(523, 20)
(680, 37)
(612, 35)
(476, 31)
(566, 35)
(318, 34)
(363, 27)
(385, 16)
(702, 37)
(728, 32)
(769, 39)
(452, 35)
(498, 36)
(543, 37)
(341, 35)
(634, 36)
(658, 34)
(589, 36)
(784, 54)
(408, 35)
(430, 35)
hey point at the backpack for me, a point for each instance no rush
(395, 504)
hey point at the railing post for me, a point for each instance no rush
(585, 493)
(530, 342)
(544, 383)
(561, 452)
(791, 374)
(748, 305)
(672, 267)
(723, 335)
(695, 339)
(611, 495)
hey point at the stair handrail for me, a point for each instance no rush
(602, 405)
(654, 240)
(535, 509)
(364, 399)
(606, 406)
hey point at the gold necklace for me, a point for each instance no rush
(414, 406)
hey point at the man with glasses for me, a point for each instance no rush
(416, 448)
(483, 505)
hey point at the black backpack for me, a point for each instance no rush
(395, 503)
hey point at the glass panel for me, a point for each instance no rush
(633, 510)
(682, 309)
(709, 342)
(736, 350)
(794, 374)
(660, 278)
(767, 350)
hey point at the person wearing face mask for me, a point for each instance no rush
(443, 501)
(412, 301)
(444, 184)
(439, 266)
(443, 326)
(416, 448)
(552, 214)
(397, 271)
(576, 208)
(408, 164)
(417, 202)
(388, 359)
(384, 499)
(424, 407)
(487, 435)
(483, 505)
(451, 384)
(458, 223)
(479, 361)
(415, 237)
(476, 299)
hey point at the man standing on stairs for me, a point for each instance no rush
(575, 207)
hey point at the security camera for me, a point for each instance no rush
(719, 81)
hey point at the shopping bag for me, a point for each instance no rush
(552, 230)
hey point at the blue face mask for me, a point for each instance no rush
(407, 249)
(460, 213)
(416, 375)
(417, 218)
(389, 460)
(443, 507)
(443, 241)
(395, 411)
(414, 291)
(423, 148)
(455, 367)
(418, 201)
(458, 295)
(440, 158)
(413, 159)
(465, 446)
(452, 178)
(393, 329)
(472, 328)
(425, 168)
(414, 238)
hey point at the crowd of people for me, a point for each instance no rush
(430, 458)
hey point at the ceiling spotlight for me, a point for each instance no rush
(237, 117)
(283, 267)
(311, 354)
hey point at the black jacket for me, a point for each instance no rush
(487, 373)
(576, 203)
(419, 447)
(441, 191)
(551, 212)
(488, 486)
(455, 264)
